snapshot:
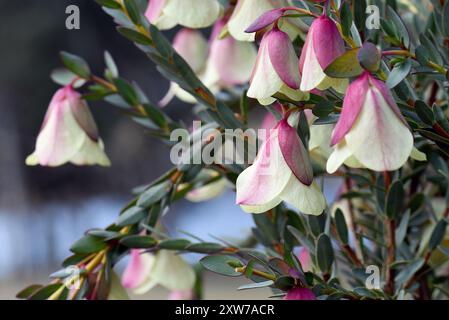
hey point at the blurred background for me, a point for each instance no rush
(43, 211)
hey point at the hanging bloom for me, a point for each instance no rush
(166, 14)
(320, 139)
(165, 268)
(323, 45)
(371, 131)
(222, 63)
(304, 258)
(281, 172)
(300, 294)
(248, 11)
(209, 191)
(275, 70)
(68, 134)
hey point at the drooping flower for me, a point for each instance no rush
(300, 294)
(305, 259)
(275, 70)
(248, 11)
(222, 63)
(281, 172)
(323, 45)
(166, 14)
(209, 191)
(371, 131)
(68, 134)
(146, 270)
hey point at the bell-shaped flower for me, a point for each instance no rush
(222, 63)
(247, 12)
(281, 172)
(68, 134)
(208, 191)
(146, 270)
(166, 14)
(371, 131)
(300, 294)
(276, 70)
(323, 45)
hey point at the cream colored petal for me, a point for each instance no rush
(91, 153)
(418, 155)
(61, 137)
(245, 13)
(207, 192)
(307, 199)
(193, 13)
(340, 154)
(172, 272)
(312, 73)
(379, 139)
(265, 81)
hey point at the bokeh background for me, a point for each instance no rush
(43, 211)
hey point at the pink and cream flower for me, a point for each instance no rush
(281, 172)
(371, 131)
(146, 270)
(276, 70)
(166, 14)
(68, 134)
(323, 45)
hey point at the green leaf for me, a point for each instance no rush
(224, 265)
(323, 108)
(154, 194)
(408, 272)
(395, 200)
(64, 77)
(399, 73)
(324, 253)
(133, 12)
(127, 91)
(111, 4)
(285, 283)
(135, 36)
(438, 234)
(401, 231)
(156, 115)
(45, 292)
(256, 285)
(345, 66)
(28, 291)
(424, 112)
(402, 31)
(342, 228)
(138, 242)
(75, 64)
(445, 19)
(88, 244)
(174, 244)
(163, 46)
(205, 247)
(346, 18)
(110, 64)
(131, 216)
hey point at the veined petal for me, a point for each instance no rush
(156, 16)
(193, 13)
(312, 73)
(91, 153)
(379, 139)
(245, 13)
(137, 270)
(233, 60)
(340, 154)
(283, 58)
(307, 199)
(61, 137)
(172, 272)
(294, 152)
(327, 41)
(355, 98)
(259, 186)
(265, 81)
(82, 113)
(192, 47)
